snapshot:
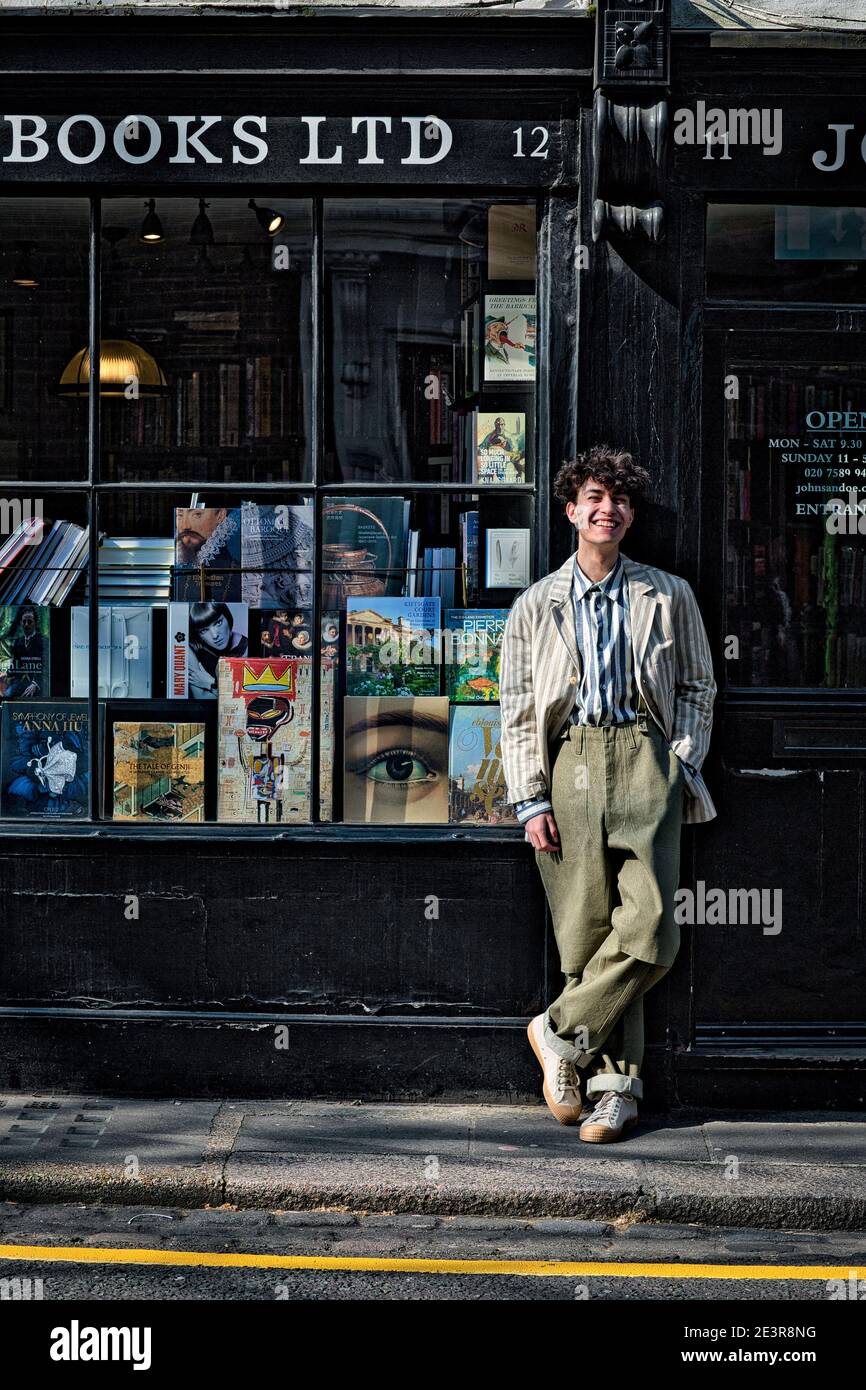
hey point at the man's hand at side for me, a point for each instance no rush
(542, 832)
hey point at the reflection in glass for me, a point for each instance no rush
(43, 323)
(786, 252)
(431, 315)
(222, 310)
(795, 549)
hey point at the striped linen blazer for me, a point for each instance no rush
(541, 667)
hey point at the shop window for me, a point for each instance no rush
(786, 252)
(306, 547)
(795, 550)
(206, 340)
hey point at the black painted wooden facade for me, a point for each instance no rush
(325, 929)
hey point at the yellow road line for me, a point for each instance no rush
(568, 1269)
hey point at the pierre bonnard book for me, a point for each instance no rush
(207, 553)
(125, 651)
(500, 446)
(395, 759)
(158, 771)
(475, 775)
(363, 547)
(25, 652)
(281, 632)
(135, 568)
(45, 761)
(472, 646)
(392, 646)
(511, 241)
(277, 555)
(264, 740)
(510, 352)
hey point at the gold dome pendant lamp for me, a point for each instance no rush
(119, 361)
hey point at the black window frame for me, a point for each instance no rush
(741, 329)
(555, 416)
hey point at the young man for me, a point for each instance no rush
(606, 691)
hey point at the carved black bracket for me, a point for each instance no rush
(630, 119)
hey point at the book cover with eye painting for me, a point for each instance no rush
(264, 740)
(395, 759)
(159, 772)
(45, 763)
(477, 780)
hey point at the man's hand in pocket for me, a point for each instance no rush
(542, 832)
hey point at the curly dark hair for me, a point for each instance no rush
(614, 468)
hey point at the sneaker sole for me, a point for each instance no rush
(566, 1114)
(600, 1134)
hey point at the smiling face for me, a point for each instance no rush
(601, 515)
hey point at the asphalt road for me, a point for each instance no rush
(710, 1265)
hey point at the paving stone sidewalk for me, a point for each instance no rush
(804, 1171)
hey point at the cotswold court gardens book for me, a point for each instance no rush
(392, 646)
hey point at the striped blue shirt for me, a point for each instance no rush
(608, 691)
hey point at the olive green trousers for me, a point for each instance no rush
(617, 796)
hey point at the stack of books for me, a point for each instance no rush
(39, 568)
(135, 567)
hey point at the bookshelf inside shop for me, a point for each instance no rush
(267, 592)
(795, 549)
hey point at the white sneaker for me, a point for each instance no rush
(561, 1081)
(612, 1116)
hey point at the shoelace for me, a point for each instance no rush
(566, 1076)
(607, 1109)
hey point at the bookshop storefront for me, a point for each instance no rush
(282, 389)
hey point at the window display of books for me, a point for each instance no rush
(353, 615)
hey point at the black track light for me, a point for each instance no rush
(151, 227)
(202, 231)
(268, 220)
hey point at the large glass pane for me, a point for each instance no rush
(432, 340)
(796, 524)
(206, 322)
(786, 252)
(206, 616)
(44, 722)
(43, 326)
(415, 592)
